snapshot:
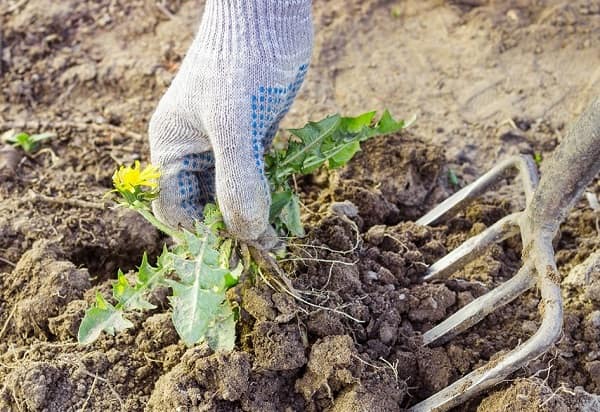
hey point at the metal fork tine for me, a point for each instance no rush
(523, 164)
(570, 169)
(496, 370)
(481, 307)
(472, 247)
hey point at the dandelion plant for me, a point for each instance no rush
(197, 268)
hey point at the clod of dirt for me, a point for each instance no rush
(41, 386)
(345, 208)
(66, 325)
(322, 323)
(9, 160)
(585, 277)
(41, 286)
(258, 304)
(202, 382)
(392, 178)
(433, 301)
(157, 332)
(525, 395)
(593, 368)
(272, 391)
(332, 365)
(278, 347)
(379, 393)
(435, 369)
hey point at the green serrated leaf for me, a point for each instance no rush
(101, 317)
(358, 123)
(344, 154)
(334, 141)
(193, 310)
(387, 124)
(128, 297)
(199, 295)
(148, 276)
(311, 136)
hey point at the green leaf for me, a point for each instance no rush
(333, 141)
(452, 178)
(29, 143)
(356, 124)
(213, 217)
(129, 298)
(199, 294)
(221, 333)
(290, 217)
(41, 137)
(387, 124)
(232, 278)
(193, 242)
(344, 154)
(279, 200)
(24, 140)
(310, 136)
(148, 276)
(101, 317)
(225, 250)
(193, 310)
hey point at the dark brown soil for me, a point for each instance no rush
(488, 78)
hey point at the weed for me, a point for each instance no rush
(28, 142)
(197, 268)
(452, 178)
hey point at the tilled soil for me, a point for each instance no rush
(356, 346)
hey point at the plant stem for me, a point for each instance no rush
(157, 223)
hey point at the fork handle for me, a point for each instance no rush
(571, 168)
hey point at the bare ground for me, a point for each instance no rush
(486, 78)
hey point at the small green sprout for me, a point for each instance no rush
(28, 142)
(452, 178)
(537, 158)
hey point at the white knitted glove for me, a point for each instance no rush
(222, 110)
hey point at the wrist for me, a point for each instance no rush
(262, 28)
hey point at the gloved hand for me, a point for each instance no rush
(222, 110)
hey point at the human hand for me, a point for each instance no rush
(222, 110)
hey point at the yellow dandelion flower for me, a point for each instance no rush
(129, 179)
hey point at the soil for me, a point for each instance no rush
(487, 79)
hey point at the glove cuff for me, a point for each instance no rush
(269, 29)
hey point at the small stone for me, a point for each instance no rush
(595, 318)
(345, 208)
(513, 15)
(9, 160)
(593, 368)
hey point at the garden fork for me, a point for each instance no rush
(571, 168)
